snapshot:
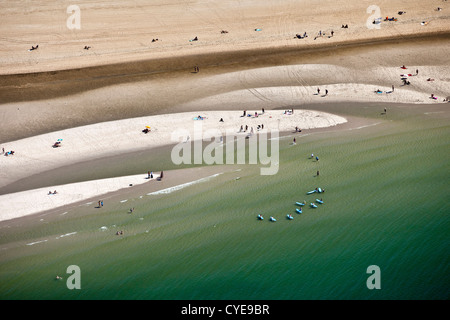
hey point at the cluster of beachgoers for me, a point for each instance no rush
(405, 78)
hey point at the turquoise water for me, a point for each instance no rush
(386, 204)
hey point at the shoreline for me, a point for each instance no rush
(36, 203)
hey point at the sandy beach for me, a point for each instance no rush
(139, 71)
(38, 154)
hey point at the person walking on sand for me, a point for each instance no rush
(326, 92)
(318, 90)
(392, 88)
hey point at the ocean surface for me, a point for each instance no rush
(386, 203)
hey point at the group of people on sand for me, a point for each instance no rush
(258, 127)
(54, 192)
(150, 175)
(318, 92)
(34, 48)
(8, 153)
(299, 36)
(319, 35)
(404, 78)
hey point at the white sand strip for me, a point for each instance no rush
(36, 154)
(24, 203)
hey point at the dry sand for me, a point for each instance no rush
(50, 93)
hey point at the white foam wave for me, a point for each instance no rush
(182, 186)
(32, 243)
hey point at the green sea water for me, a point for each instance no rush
(386, 204)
